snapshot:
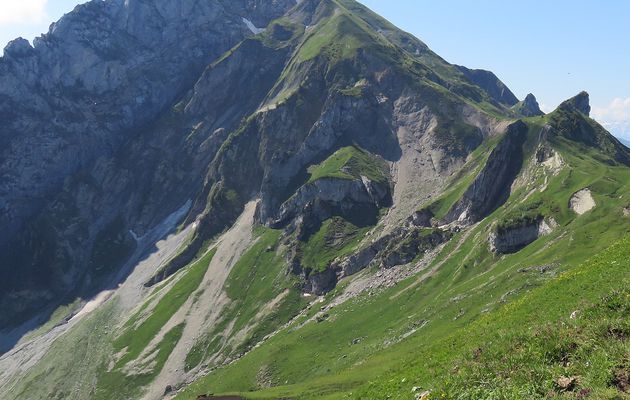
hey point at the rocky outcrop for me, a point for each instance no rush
(319, 283)
(422, 218)
(528, 107)
(492, 186)
(580, 103)
(315, 202)
(571, 121)
(399, 247)
(95, 79)
(511, 239)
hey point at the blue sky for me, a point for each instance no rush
(553, 49)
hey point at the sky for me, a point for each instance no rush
(553, 49)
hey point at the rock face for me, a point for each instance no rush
(95, 79)
(318, 201)
(79, 112)
(397, 248)
(514, 238)
(571, 121)
(492, 186)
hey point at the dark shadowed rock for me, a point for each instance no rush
(492, 186)
(19, 47)
(506, 240)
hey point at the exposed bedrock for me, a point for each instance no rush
(507, 240)
(492, 186)
(400, 247)
(316, 201)
(92, 147)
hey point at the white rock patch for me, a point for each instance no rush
(94, 304)
(582, 202)
(554, 163)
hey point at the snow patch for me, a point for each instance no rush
(252, 27)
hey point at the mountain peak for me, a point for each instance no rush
(528, 107)
(530, 98)
(580, 103)
(18, 47)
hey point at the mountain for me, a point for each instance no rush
(286, 199)
(625, 142)
(77, 106)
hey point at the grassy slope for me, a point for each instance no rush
(61, 374)
(321, 358)
(520, 350)
(138, 334)
(424, 359)
(84, 372)
(135, 339)
(350, 163)
(259, 277)
(336, 238)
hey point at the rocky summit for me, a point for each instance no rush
(296, 199)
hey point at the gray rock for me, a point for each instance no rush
(82, 145)
(492, 186)
(528, 107)
(580, 103)
(341, 194)
(515, 238)
(17, 48)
